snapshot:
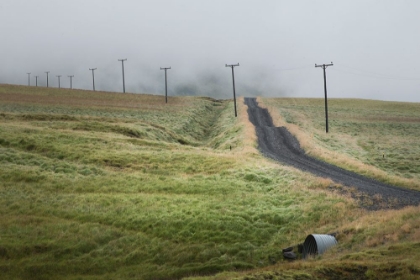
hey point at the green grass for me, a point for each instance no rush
(382, 135)
(97, 185)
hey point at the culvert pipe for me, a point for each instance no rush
(317, 244)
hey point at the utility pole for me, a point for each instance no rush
(324, 66)
(47, 76)
(93, 77)
(29, 79)
(166, 83)
(122, 62)
(71, 81)
(36, 80)
(233, 80)
(58, 76)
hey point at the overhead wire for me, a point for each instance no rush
(295, 68)
(370, 74)
(354, 71)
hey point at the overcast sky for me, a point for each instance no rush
(374, 45)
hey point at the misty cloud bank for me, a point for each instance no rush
(214, 83)
(373, 44)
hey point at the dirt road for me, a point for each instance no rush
(277, 143)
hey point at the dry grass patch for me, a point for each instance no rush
(383, 228)
(249, 135)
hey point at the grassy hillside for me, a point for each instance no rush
(375, 138)
(97, 185)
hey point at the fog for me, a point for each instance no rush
(374, 45)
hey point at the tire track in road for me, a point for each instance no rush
(279, 144)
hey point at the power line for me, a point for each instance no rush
(372, 75)
(295, 68)
(122, 62)
(324, 66)
(71, 81)
(59, 76)
(166, 83)
(93, 77)
(233, 81)
(47, 76)
(358, 73)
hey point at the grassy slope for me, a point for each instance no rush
(378, 139)
(102, 185)
(375, 138)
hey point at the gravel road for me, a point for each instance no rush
(279, 144)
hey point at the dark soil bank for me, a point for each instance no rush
(277, 143)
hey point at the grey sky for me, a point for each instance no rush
(374, 45)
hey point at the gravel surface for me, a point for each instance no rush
(279, 144)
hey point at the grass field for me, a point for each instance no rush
(375, 138)
(98, 185)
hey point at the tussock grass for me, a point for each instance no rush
(97, 185)
(379, 245)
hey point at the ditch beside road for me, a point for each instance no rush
(279, 144)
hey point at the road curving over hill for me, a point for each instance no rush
(279, 144)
